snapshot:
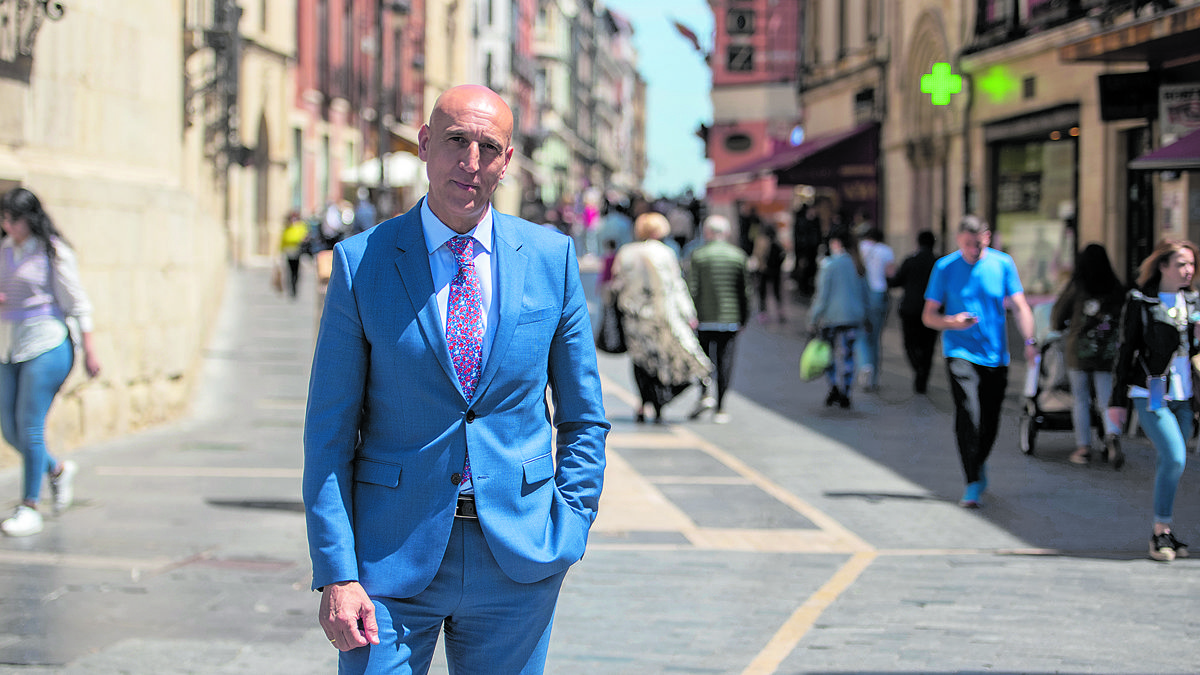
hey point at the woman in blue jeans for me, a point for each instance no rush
(1089, 309)
(1158, 338)
(839, 311)
(39, 291)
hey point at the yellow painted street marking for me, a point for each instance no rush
(805, 617)
(769, 541)
(629, 503)
(814, 515)
(698, 480)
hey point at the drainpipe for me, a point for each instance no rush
(969, 204)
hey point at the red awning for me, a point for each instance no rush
(791, 157)
(1182, 155)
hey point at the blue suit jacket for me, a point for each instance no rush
(387, 423)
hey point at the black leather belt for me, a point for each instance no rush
(466, 507)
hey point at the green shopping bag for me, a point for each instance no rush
(815, 359)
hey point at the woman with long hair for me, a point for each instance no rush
(839, 310)
(1089, 309)
(1154, 372)
(658, 316)
(39, 293)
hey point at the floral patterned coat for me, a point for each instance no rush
(657, 312)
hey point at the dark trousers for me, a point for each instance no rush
(293, 274)
(655, 392)
(919, 343)
(978, 395)
(770, 282)
(718, 345)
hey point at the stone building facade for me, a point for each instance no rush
(93, 120)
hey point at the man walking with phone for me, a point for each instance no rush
(967, 298)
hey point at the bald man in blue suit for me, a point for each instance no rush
(405, 543)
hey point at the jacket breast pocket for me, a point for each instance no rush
(538, 314)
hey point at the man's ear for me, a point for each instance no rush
(423, 142)
(507, 158)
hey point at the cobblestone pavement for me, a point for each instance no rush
(795, 539)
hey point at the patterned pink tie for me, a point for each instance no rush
(464, 323)
(464, 316)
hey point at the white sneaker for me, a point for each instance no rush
(23, 522)
(62, 486)
(705, 404)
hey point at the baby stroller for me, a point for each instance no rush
(1048, 397)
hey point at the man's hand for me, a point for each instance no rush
(344, 606)
(961, 321)
(1031, 352)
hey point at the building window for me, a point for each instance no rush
(741, 59)
(864, 105)
(1034, 195)
(323, 46)
(295, 170)
(738, 142)
(739, 22)
(843, 30)
(993, 14)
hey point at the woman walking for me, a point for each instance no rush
(1154, 372)
(1089, 308)
(839, 310)
(39, 291)
(659, 317)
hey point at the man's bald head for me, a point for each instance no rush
(456, 101)
(466, 146)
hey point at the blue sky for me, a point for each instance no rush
(677, 90)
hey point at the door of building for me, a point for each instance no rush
(1139, 207)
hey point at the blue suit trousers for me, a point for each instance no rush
(492, 624)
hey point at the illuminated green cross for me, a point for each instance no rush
(1000, 84)
(940, 83)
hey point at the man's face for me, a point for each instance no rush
(971, 245)
(466, 150)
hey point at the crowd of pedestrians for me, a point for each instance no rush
(686, 301)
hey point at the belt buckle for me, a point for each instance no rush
(466, 508)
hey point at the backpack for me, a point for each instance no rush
(1098, 336)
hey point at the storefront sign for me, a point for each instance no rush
(1178, 110)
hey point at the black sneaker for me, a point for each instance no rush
(1112, 452)
(1181, 550)
(1162, 547)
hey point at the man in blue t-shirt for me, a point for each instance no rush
(967, 296)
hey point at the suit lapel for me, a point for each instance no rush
(510, 267)
(413, 265)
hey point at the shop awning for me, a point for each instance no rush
(403, 170)
(1160, 39)
(1182, 155)
(815, 161)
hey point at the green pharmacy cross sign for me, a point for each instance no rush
(999, 84)
(940, 83)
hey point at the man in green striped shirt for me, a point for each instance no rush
(720, 284)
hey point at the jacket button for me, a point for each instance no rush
(456, 478)
(470, 416)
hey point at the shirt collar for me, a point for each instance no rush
(438, 233)
(30, 245)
